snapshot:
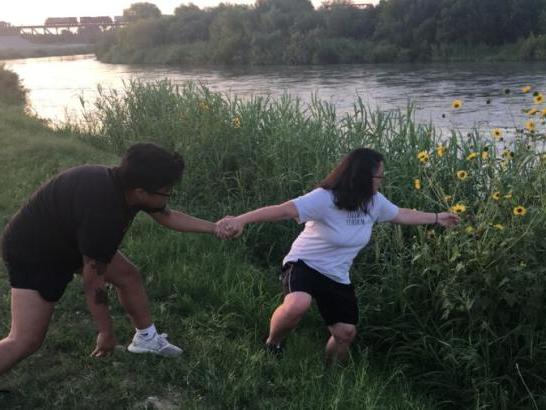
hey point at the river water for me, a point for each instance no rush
(56, 84)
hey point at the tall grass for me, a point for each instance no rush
(461, 309)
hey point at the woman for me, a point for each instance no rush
(338, 217)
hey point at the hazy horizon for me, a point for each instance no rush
(36, 11)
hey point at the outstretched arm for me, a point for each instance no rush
(182, 222)
(233, 226)
(411, 217)
(97, 302)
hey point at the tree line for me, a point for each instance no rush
(294, 32)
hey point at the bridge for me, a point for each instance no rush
(56, 26)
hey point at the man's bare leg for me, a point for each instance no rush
(131, 293)
(30, 316)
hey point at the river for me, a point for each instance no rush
(56, 84)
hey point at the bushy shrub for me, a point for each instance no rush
(533, 48)
(11, 90)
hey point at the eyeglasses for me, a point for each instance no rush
(159, 193)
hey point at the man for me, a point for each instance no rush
(76, 221)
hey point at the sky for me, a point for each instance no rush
(21, 12)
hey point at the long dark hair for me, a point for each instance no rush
(351, 181)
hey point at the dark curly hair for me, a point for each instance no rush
(150, 167)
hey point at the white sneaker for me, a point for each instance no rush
(158, 344)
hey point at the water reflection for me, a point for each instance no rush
(56, 83)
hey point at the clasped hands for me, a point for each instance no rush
(229, 227)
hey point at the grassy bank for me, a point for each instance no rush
(207, 294)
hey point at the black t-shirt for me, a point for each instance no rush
(81, 211)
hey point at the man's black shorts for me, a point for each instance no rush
(50, 285)
(336, 301)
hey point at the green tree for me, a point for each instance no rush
(230, 34)
(276, 21)
(342, 19)
(190, 24)
(144, 34)
(526, 17)
(456, 22)
(285, 6)
(275, 31)
(139, 11)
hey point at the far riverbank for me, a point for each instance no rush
(15, 47)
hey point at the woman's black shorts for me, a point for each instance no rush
(336, 301)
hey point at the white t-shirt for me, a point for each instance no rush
(333, 237)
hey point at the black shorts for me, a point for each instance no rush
(336, 301)
(50, 285)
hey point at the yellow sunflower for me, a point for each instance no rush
(423, 156)
(543, 112)
(462, 175)
(530, 125)
(531, 111)
(519, 211)
(458, 208)
(538, 99)
(471, 156)
(508, 195)
(236, 122)
(497, 133)
(507, 154)
(500, 227)
(526, 89)
(456, 104)
(485, 154)
(417, 184)
(440, 150)
(496, 195)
